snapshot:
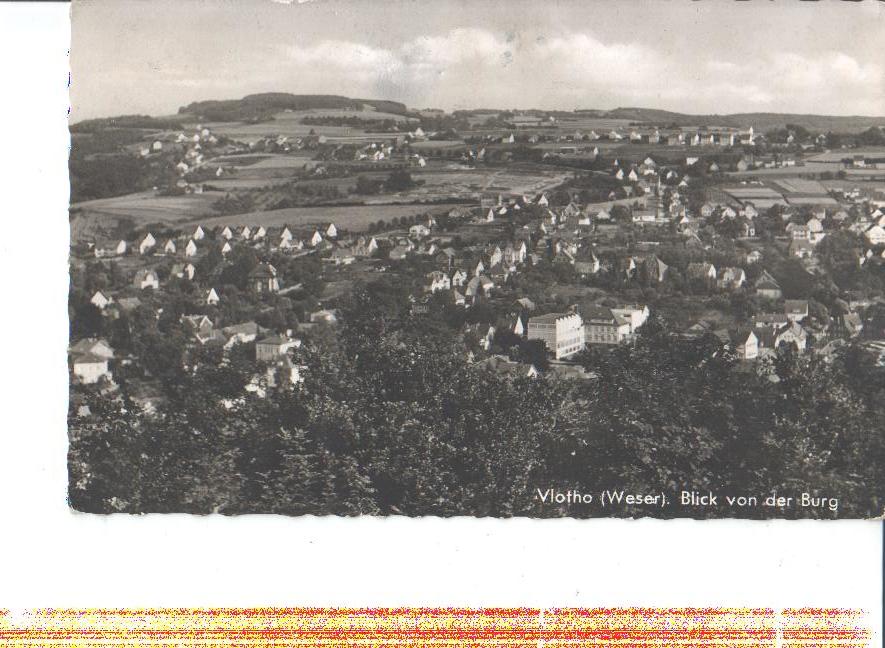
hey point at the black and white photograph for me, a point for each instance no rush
(485, 259)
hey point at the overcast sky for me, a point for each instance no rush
(828, 57)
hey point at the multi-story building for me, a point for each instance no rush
(562, 333)
(636, 314)
(602, 326)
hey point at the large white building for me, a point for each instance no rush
(602, 326)
(562, 333)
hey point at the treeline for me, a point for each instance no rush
(392, 418)
(124, 122)
(367, 125)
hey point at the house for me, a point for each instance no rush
(754, 256)
(770, 320)
(480, 284)
(587, 263)
(316, 239)
(602, 326)
(698, 329)
(852, 324)
(100, 300)
(341, 256)
(271, 348)
(147, 244)
(263, 279)
(201, 328)
(111, 250)
(796, 309)
(459, 277)
(183, 270)
(95, 346)
(169, 247)
(128, 304)
(245, 233)
(798, 232)
(226, 248)
(259, 234)
(746, 345)
(767, 287)
(198, 234)
(790, 333)
(815, 231)
(146, 278)
(636, 314)
(518, 326)
(419, 231)
(227, 233)
(562, 333)
(505, 366)
(801, 248)
(655, 269)
(325, 315)
(436, 281)
(241, 333)
(875, 235)
(285, 235)
(89, 368)
(332, 231)
(364, 248)
(701, 271)
(730, 278)
(190, 249)
(212, 297)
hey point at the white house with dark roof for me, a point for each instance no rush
(147, 244)
(89, 368)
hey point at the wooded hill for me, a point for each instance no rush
(761, 122)
(258, 107)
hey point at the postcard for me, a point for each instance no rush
(444, 258)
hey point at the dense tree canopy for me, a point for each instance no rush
(392, 421)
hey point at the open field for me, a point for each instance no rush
(148, 207)
(841, 154)
(95, 219)
(289, 124)
(252, 161)
(465, 182)
(801, 186)
(355, 218)
(436, 144)
(599, 124)
(850, 183)
(809, 170)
